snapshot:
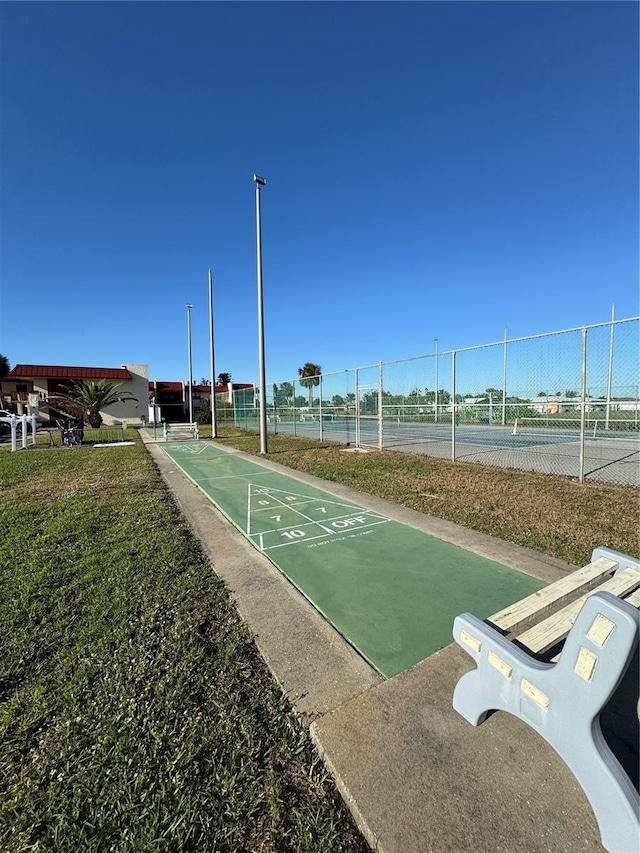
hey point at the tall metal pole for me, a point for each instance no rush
(212, 369)
(435, 340)
(189, 307)
(610, 371)
(260, 182)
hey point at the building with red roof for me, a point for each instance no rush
(41, 387)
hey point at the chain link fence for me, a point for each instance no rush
(564, 403)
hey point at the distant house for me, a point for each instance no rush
(546, 405)
(554, 404)
(40, 388)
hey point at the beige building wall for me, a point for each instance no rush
(131, 411)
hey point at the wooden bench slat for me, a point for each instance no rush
(634, 598)
(555, 628)
(513, 617)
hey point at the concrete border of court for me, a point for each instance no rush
(415, 775)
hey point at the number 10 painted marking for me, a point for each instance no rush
(314, 516)
(293, 534)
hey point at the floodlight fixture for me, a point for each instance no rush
(260, 181)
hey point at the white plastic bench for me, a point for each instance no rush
(586, 628)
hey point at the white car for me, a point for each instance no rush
(5, 426)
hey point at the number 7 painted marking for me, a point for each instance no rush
(301, 514)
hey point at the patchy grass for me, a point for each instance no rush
(135, 711)
(551, 514)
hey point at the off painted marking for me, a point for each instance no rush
(276, 518)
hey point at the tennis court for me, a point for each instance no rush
(400, 431)
(390, 590)
(610, 456)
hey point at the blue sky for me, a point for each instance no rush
(434, 170)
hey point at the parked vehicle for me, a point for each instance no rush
(5, 426)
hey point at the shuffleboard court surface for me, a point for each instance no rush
(390, 590)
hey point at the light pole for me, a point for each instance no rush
(260, 182)
(435, 340)
(189, 307)
(212, 369)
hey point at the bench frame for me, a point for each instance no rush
(562, 697)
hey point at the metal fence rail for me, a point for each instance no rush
(565, 402)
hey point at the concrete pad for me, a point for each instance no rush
(419, 778)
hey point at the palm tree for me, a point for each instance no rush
(92, 397)
(310, 377)
(285, 393)
(4, 365)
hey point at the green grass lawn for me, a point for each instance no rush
(135, 711)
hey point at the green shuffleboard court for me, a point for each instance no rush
(392, 591)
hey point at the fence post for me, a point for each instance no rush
(504, 381)
(453, 406)
(294, 407)
(610, 369)
(357, 386)
(380, 401)
(320, 410)
(583, 407)
(435, 340)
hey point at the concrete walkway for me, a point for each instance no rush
(416, 776)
